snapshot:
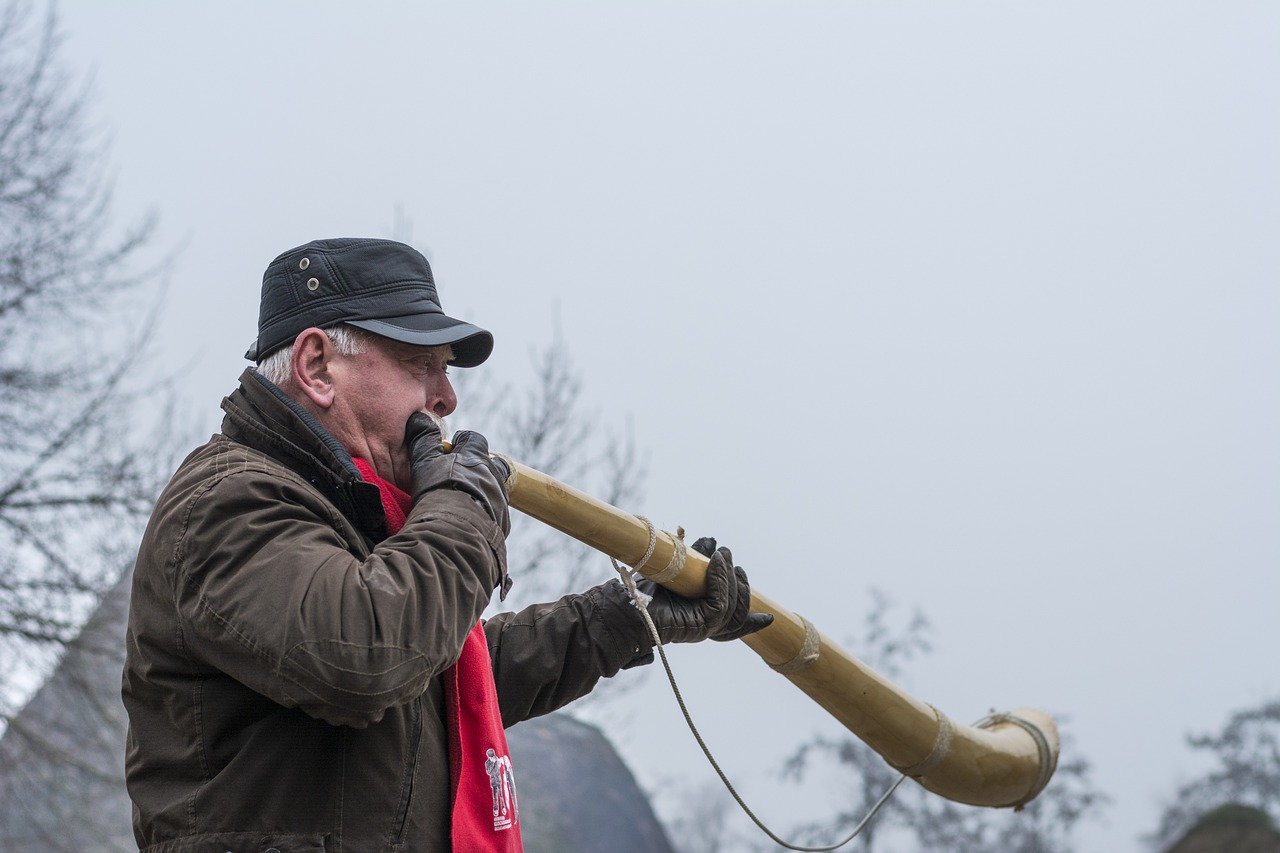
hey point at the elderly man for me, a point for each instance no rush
(307, 667)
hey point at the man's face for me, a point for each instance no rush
(377, 390)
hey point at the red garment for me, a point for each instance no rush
(486, 813)
(395, 503)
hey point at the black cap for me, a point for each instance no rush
(380, 286)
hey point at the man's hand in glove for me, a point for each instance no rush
(724, 614)
(467, 468)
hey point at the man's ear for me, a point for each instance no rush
(312, 364)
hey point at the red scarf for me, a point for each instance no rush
(486, 815)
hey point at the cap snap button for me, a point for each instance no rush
(313, 284)
(304, 263)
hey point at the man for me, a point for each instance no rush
(306, 667)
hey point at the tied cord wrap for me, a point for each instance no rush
(1048, 762)
(941, 743)
(946, 730)
(673, 568)
(808, 654)
(804, 658)
(512, 474)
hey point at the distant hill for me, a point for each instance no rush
(62, 765)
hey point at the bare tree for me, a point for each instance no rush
(75, 308)
(887, 647)
(1246, 753)
(1043, 826)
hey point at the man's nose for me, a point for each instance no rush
(440, 397)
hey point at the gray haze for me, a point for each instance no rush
(973, 303)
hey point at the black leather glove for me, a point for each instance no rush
(724, 614)
(467, 468)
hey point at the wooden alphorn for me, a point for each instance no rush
(1004, 760)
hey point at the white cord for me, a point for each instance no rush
(641, 601)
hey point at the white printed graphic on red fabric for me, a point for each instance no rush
(502, 783)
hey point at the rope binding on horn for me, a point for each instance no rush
(1048, 761)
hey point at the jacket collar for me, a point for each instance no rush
(261, 416)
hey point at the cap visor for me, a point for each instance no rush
(471, 344)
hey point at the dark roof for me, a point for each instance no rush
(1231, 829)
(62, 765)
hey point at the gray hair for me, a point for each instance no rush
(347, 340)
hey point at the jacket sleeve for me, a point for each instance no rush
(548, 655)
(268, 591)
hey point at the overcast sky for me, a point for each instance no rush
(975, 303)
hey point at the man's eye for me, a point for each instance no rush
(424, 366)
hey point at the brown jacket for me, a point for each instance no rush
(283, 654)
